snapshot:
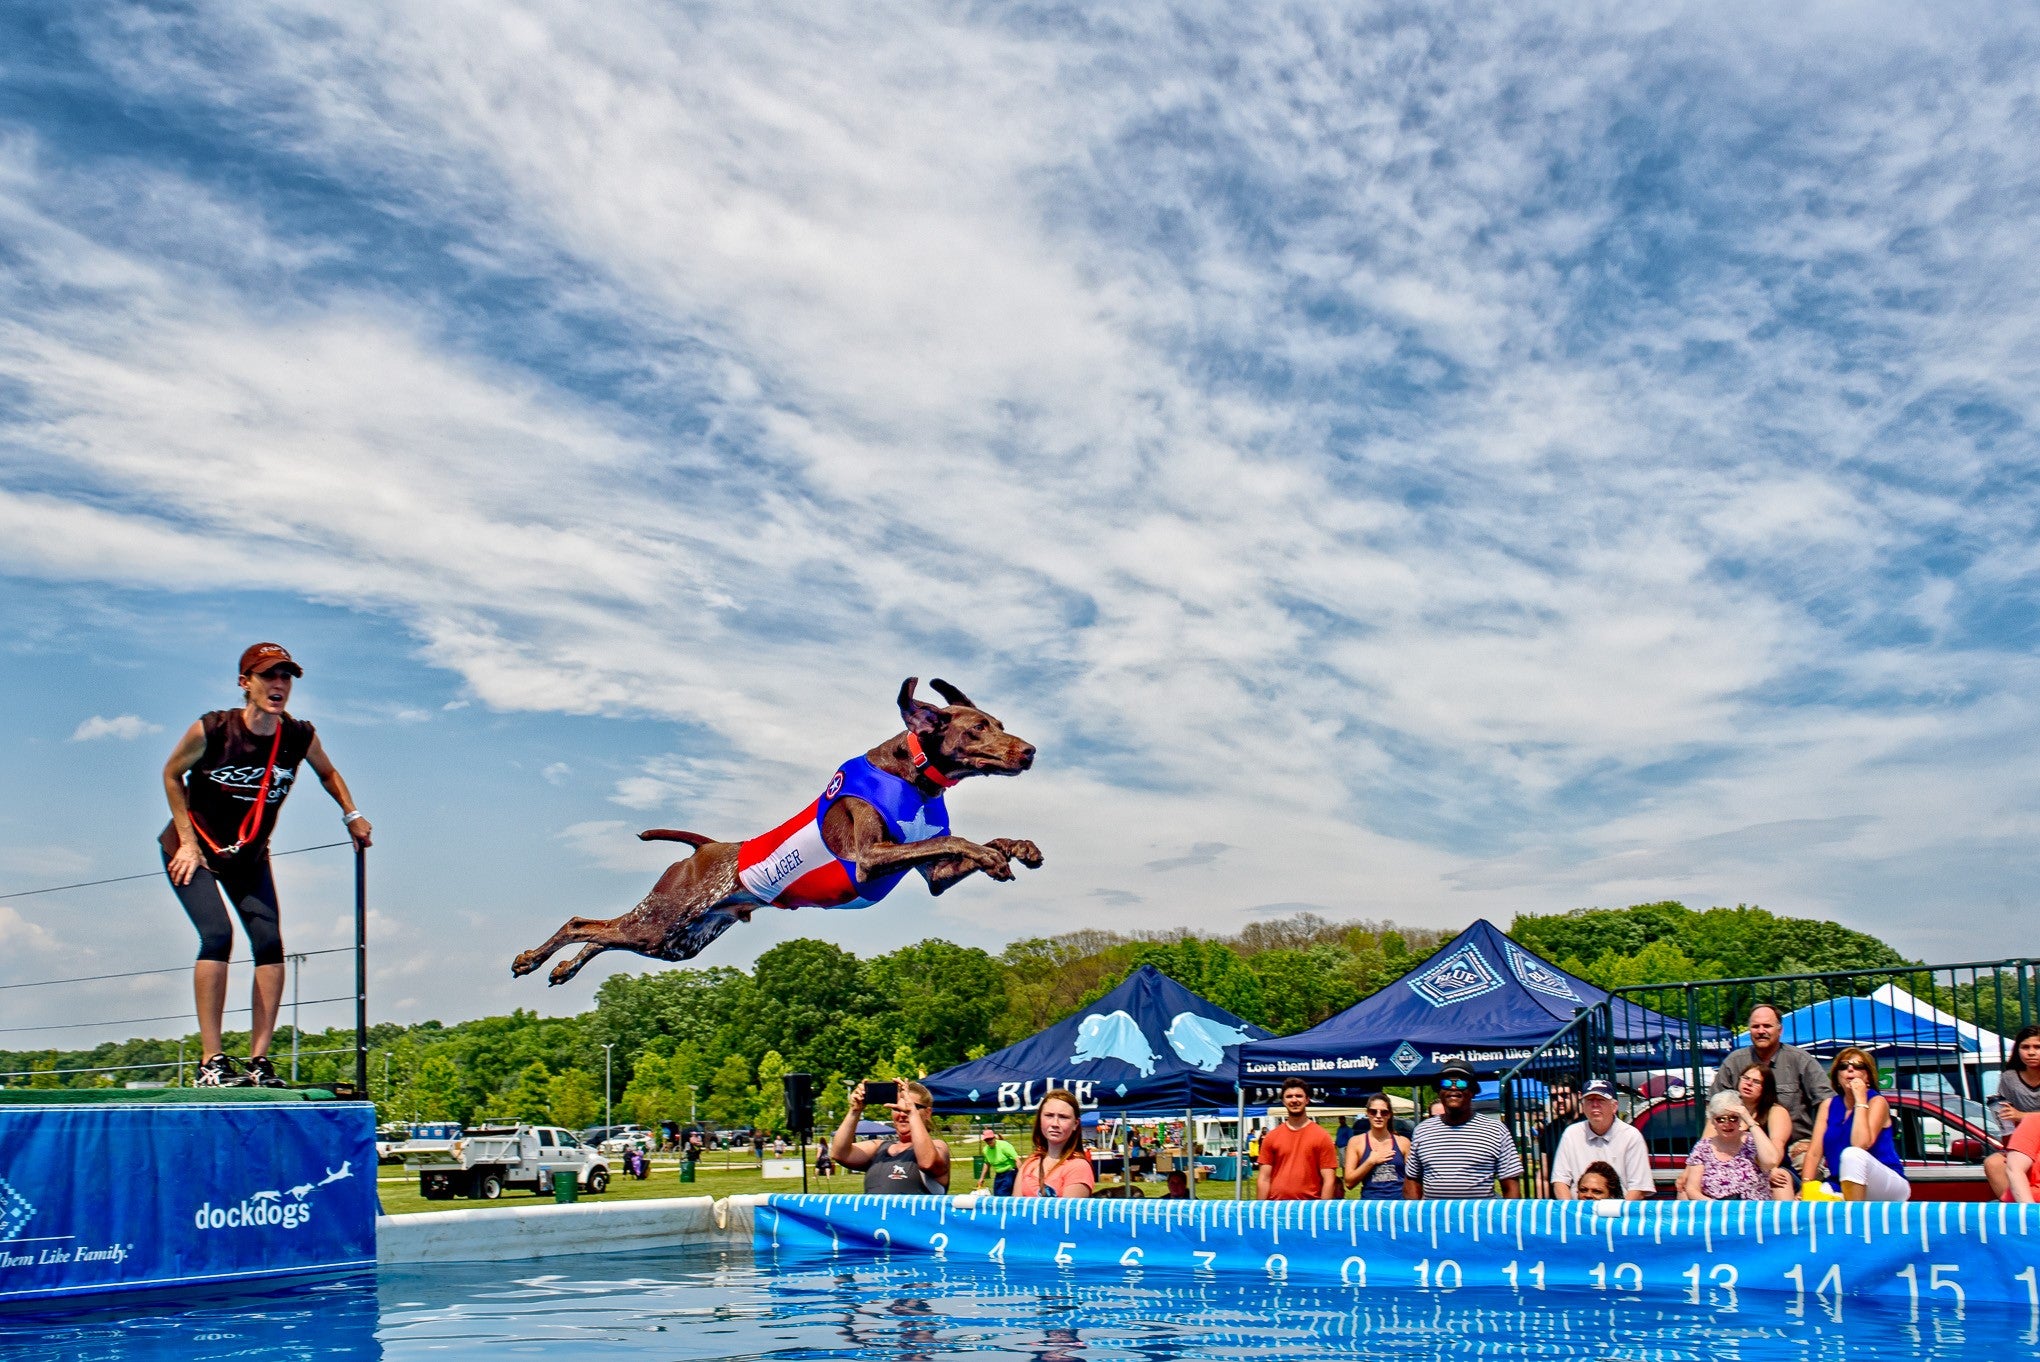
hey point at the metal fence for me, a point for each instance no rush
(1939, 1035)
(52, 1038)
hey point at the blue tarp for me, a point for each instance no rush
(1826, 1028)
(1480, 999)
(1148, 1045)
(118, 1198)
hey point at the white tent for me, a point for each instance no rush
(1992, 1049)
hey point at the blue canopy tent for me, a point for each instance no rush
(1889, 1033)
(1481, 999)
(1149, 1045)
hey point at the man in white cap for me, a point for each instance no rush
(1603, 1137)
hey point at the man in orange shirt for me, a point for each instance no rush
(1298, 1159)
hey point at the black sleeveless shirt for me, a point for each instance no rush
(220, 789)
(896, 1174)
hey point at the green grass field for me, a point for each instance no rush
(714, 1177)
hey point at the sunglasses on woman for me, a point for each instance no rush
(1454, 1085)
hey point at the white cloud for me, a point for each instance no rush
(126, 727)
(1310, 424)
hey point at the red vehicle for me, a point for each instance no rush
(1941, 1138)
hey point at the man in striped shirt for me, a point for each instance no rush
(1459, 1154)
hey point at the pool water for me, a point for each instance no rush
(687, 1305)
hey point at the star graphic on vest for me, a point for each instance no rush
(920, 830)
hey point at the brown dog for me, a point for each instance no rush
(881, 816)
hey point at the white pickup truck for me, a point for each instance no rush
(485, 1161)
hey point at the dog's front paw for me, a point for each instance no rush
(1024, 852)
(992, 861)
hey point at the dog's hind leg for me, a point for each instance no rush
(576, 930)
(688, 887)
(567, 969)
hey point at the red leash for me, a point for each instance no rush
(251, 823)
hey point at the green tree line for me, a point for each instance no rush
(711, 1043)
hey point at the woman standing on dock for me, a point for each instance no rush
(226, 783)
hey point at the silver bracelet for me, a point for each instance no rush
(351, 815)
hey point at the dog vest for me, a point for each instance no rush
(792, 866)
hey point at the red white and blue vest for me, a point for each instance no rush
(792, 866)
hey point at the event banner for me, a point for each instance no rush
(100, 1198)
(1940, 1255)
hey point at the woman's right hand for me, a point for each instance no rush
(184, 863)
(857, 1100)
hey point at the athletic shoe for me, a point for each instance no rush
(262, 1074)
(222, 1072)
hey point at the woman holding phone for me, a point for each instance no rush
(912, 1162)
(1059, 1165)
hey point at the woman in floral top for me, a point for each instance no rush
(1733, 1161)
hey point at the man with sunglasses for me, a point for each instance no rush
(1460, 1154)
(226, 784)
(1603, 1137)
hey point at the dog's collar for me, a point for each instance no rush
(923, 768)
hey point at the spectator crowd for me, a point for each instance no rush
(1778, 1125)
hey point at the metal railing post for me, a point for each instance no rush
(1693, 1052)
(360, 971)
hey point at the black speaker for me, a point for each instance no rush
(800, 1102)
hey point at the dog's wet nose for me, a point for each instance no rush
(1026, 755)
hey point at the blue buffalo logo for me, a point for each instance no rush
(1536, 974)
(1114, 1035)
(1201, 1040)
(1459, 977)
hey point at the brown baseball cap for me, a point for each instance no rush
(263, 656)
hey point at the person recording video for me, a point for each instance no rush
(910, 1163)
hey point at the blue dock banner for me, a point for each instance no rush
(98, 1198)
(1935, 1254)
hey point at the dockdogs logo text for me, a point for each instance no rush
(282, 1210)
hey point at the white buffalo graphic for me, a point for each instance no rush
(1114, 1035)
(1201, 1040)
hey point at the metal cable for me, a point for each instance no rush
(123, 879)
(174, 1016)
(170, 969)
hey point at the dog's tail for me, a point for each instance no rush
(693, 839)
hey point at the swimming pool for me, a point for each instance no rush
(690, 1304)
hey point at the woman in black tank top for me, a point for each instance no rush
(226, 783)
(911, 1162)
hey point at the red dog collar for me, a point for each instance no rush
(923, 767)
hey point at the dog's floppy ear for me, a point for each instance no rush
(922, 717)
(951, 693)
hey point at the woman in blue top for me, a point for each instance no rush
(1374, 1156)
(1852, 1133)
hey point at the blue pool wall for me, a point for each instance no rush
(105, 1198)
(1932, 1253)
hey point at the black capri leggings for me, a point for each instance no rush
(252, 891)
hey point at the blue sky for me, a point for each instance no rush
(1411, 465)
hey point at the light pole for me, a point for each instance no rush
(606, 1048)
(690, 1104)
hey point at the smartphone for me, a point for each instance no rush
(879, 1093)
